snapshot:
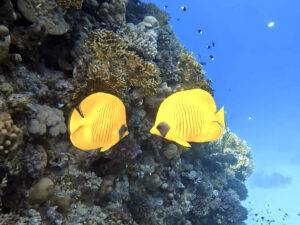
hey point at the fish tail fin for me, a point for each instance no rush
(75, 121)
(220, 116)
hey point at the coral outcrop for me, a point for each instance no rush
(44, 12)
(46, 120)
(142, 38)
(113, 11)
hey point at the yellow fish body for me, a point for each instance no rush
(99, 123)
(189, 116)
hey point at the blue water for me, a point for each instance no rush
(256, 76)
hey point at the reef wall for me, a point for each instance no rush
(54, 53)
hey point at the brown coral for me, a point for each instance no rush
(113, 11)
(115, 69)
(77, 4)
(192, 74)
(10, 134)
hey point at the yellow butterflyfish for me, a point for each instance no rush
(99, 122)
(189, 116)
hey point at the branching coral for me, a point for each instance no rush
(192, 74)
(114, 67)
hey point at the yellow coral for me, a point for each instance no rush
(114, 68)
(192, 74)
(10, 134)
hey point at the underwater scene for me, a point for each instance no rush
(161, 112)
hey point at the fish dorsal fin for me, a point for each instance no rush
(203, 97)
(183, 143)
(163, 128)
(88, 104)
(105, 149)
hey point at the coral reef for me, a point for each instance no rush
(7, 13)
(142, 38)
(77, 4)
(191, 72)
(70, 49)
(46, 13)
(113, 11)
(5, 42)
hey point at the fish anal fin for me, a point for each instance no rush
(105, 149)
(183, 143)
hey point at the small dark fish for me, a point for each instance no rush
(198, 55)
(178, 19)
(213, 43)
(298, 214)
(165, 6)
(262, 218)
(203, 63)
(208, 46)
(212, 58)
(255, 214)
(200, 31)
(183, 8)
(279, 209)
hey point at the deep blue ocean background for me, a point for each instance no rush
(256, 76)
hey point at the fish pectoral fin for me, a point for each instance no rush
(183, 143)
